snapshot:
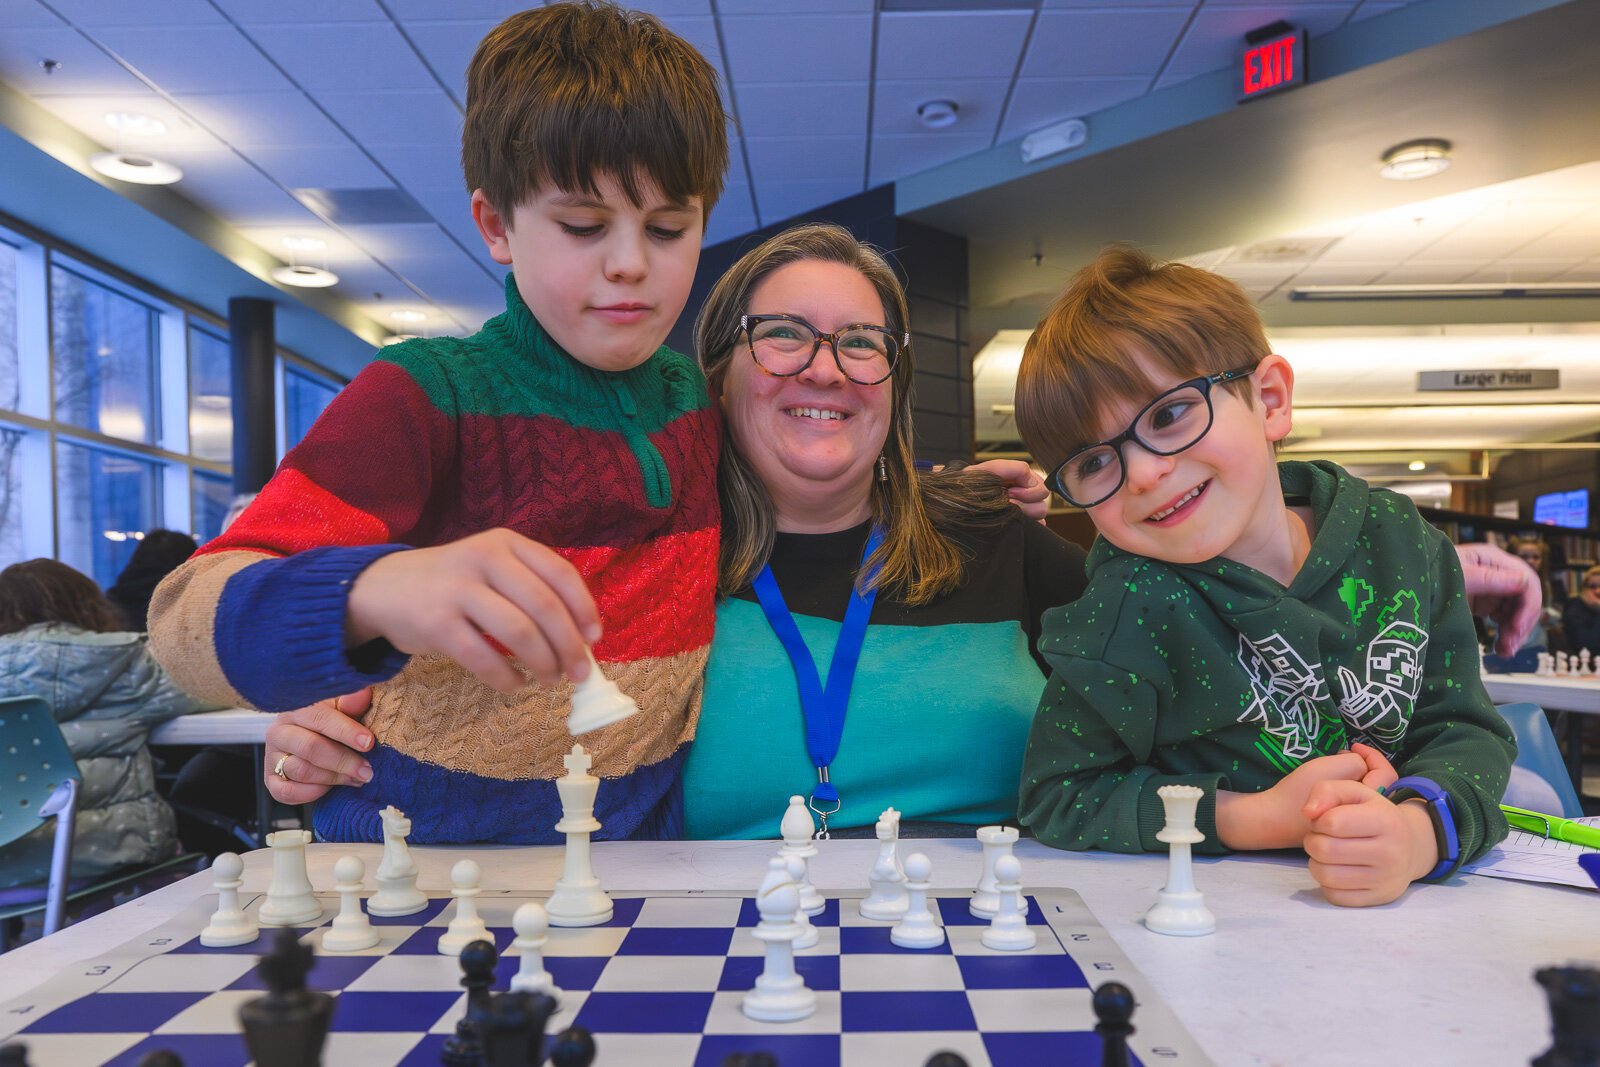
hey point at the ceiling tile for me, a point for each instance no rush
(264, 120)
(895, 157)
(1038, 102)
(1524, 270)
(235, 191)
(1425, 273)
(1072, 44)
(28, 15)
(894, 107)
(301, 12)
(1323, 273)
(83, 68)
(95, 13)
(805, 159)
(331, 167)
(448, 47)
(425, 118)
(957, 44)
(1579, 238)
(1501, 230)
(1583, 272)
(194, 59)
(785, 199)
(1112, 5)
(87, 113)
(797, 48)
(813, 109)
(701, 33)
(798, 7)
(1366, 11)
(1216, 36)
(345, 56)
(426, 175)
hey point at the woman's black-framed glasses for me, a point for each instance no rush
(785, 345)
(1172, 422)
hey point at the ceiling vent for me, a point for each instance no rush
(362, 207)
(1283, 250)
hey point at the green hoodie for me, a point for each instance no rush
(1214, 675)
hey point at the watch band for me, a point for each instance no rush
(1444, 823)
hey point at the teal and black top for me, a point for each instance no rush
(943, 695)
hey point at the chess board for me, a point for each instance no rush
(658, 985)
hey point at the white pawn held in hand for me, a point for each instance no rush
(918, 928)
(780, 994)
(467, 926)
(1179, 908)
(597, 702)
(351, 931)
(229, 925)
(533, 933)
(997, 841)
(577, 899)
(1009, 931)
(797, 831)
(888, 899)
(397, 875)
(289, 898)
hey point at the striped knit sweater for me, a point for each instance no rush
(438, 439)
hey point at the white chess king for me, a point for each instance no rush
(577, 899)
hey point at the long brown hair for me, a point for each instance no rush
(918, 560)
(43, 590)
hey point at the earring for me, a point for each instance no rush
(883, 469)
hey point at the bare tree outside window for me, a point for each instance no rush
(104, 364)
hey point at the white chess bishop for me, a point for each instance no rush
(577, 899)
(780, 994)
(797, 829)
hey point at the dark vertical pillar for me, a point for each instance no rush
(935, 265)
(252, 339)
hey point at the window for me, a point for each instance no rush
(12, 470)
(210, 397)
(304, 397)
(213, 494)
(10, 386)
(105, 501)
(105, 358)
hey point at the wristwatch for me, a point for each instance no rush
(1444, 824)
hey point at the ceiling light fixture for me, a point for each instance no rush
(409, 316)
(135, 168)
(1053, 139)
(938, 114)
(1416, 465)
(305, 277)
(1448, 291)
(132, 122)
(1416, 159)
(304, 244)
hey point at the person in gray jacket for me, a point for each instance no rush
(63, 640)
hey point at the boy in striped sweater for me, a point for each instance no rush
(542, 486)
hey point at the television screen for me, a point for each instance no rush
(1563, 509)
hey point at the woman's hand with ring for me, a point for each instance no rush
(318, 748)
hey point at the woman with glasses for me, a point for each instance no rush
(1580, 620)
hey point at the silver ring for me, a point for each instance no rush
(277, 768)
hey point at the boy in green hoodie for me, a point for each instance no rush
(1282, 635)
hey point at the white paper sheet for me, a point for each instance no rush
(1528, 857)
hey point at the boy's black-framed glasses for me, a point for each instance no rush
(785, 345)
(1172, 422)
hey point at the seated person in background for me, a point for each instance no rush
(157, 555)
(1546, 634)
(61, 639)
(1277, 635)
(1580, 620)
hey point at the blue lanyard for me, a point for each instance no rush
(822, 708)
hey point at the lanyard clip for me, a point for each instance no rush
(827, 792)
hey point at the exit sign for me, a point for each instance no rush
(1274, 59)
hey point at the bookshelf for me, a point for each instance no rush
(1572, 550)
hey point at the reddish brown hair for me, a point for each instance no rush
(43, 590)
(1187, 320)
(561, 94)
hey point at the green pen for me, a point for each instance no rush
(1553, 827)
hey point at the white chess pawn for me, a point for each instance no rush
(397, 875)
(780, 994)
(918, 928)
(808, 937)
(597, 702)
(1563, 664)
(1009, 931)
(467, 926)
(351, 931)
(289, 899)
(1585, 665)
(1179, 908)
(1547, 665)
(532, 926)
(796, 829)
(577, 899)
(229, 925)
(997, 841)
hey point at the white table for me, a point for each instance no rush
(1443, 976)
(230, 726)
(1581, 696)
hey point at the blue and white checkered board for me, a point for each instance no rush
(658, 985)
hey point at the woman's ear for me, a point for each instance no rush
(1274, 384)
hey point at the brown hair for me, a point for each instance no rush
(918, 559)
(560, 94)
(1188, 320)
(45, 591)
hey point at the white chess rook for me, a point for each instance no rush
(467, 926)
(229, 925)
(1009, 931)
(597, 702)
(918, 928)
(798, 832)
(577, 899)
(997, 841)
(1179, 908)
(532, 926)
(289, 899)
(780, 994)
(397, 875)
(351, 931)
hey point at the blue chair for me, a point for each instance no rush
(45, 787)
(1538, 752)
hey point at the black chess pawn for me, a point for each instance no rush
(465, 1047)
(1574, 994)
(1113, 1006)
(161, 1058)
(573, 1047)
(14, 1055)
(946, 1059)
(288, 1025)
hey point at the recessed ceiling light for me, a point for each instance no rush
(135, 168)
(132, 122)
(305, 277)
(1416, 159)
(938, 114)
(304, 244)
(1417, 465)
(409, 316)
